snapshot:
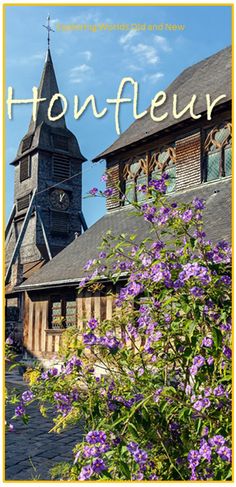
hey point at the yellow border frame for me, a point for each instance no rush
(4, 5)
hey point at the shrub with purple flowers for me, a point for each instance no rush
(151, 387)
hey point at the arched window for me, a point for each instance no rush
(164, 161)
(135, 175)
(218, 153)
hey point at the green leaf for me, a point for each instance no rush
(125, 469)
(217, 337)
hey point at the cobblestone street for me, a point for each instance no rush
(30, 450)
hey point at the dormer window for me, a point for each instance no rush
(218, 153)
(25, 168)
(26, 143)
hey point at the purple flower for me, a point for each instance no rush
(194, 458)
(227, 352)
(20, 410)
(217, 440)
(98, 465)
(210, 360)
(49, 373)
(198, 204)
(140, 456)
(219, 390)
(193, 370)
(132, 446)
(93, 191)
(205, 451)
(104, 177)
(187, 216)
(226, 280)
(102, 255)
(202, 403)
(199, 361)
(86, 473)
(89, 451)
(199, 405)
(225, 453)
(96, 436)
(134, 288)
(72, 363)
(159, 184)
(10, 427)
(138, 476)
(156, 395)
(89, 339)
(9, 341)
(27, 396)
(108, 192)
(207, 342)
(92, 323)
(196, 291)
(89, 264)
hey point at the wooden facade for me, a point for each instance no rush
(40, 339)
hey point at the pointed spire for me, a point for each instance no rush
(47, 88)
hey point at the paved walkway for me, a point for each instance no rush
(30, 450)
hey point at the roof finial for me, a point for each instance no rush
(49, 29)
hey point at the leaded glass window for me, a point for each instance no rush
(134, 175)
(218, 153)
(164, 161)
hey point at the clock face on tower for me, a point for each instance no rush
(59, 199)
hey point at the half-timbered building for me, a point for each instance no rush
(197, 155)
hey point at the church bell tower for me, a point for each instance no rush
(47, 185)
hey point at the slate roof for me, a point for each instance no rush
(68, 266)
(212, 75)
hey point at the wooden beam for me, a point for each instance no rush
(44, 233)
(83, 222)
(21, 236)
(9, 224)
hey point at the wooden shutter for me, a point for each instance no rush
(59, 222)
(61, 166)
(24, 168)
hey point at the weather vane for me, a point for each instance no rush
(49, 29)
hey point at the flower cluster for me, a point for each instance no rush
(151, 386)
(215, 446)
(26, 397)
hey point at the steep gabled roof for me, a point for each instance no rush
(47, 88)
(67, 268)
(210, 76)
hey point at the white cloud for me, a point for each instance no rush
(81, 73)
(152, 78)
(162, 43)
(86, 17)
(26, 60)
(145, 53)
(134, 67)
(87, 55)
(53, 22)
(126, 38)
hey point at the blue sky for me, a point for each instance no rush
(88, 62)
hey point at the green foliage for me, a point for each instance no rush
(152, 385)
